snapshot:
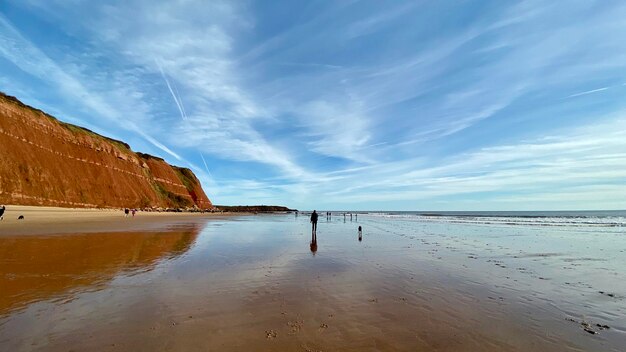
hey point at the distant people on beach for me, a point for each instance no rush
(360, 234)
(133, 212)
(2, 212)
(314, 221)
(350, 216)
(356, 217)
(126, 211)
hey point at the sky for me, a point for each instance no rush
(361, 105)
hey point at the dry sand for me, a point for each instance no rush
(52, 220)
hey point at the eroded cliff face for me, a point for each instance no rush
(47, 162)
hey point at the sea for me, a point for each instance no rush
(588, 218)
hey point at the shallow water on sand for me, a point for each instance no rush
(252, 283)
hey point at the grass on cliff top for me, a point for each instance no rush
(68, 126)
(185, 175)
(78, 129)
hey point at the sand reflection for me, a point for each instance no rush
(34, 268)
(313, 244)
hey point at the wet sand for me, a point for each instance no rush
(50, 220)
(252, 283)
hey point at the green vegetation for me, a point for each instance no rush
(73, 132)
(69, 126)
(78, 129)
(16, 101)
(162, 192)
(174, 199)
(186, 176)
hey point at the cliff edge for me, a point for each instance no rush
(44, 161)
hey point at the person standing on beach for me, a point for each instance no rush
(360, 234)
(126, 212)
(2, 212)
(314, 221)
(133, 212)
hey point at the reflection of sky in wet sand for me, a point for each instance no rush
(407, 285)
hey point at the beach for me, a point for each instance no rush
(53, 220)
(187, 282)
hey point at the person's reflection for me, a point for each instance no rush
(360, 234)
(313, 242)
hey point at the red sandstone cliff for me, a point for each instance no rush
(44, 161)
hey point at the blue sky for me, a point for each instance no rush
(417, 105)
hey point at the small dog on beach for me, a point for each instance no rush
(21, 217)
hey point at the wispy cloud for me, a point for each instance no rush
(15, 48)
(358, 104)
(529, 169)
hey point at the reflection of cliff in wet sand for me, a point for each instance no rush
(39, 268)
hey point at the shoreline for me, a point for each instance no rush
(44, 220)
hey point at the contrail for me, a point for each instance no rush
(588, 92)
(159, 145)
(180, 109)
(205, 165)
(180, 101)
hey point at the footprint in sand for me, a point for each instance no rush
(590, 327)
(295, 326)
(270, 334)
